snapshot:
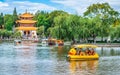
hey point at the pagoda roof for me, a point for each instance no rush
(26, 21)
(26, 15)
(26, 28)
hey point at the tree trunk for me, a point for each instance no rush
(73, 41)
(94, 40)
(102, 38)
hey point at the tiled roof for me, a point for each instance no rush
(25, 21)
(26, 28)
(26, 15)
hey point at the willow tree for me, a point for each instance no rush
(40, 31)
(87, 28)
(66, 27)
(54, 14)
(105, 13)
(56, 20)
(59, 28)
(73, 23)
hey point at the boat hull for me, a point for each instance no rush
(85, 57)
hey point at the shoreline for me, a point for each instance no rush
(68, 43)
(104, 44)
(108, 45)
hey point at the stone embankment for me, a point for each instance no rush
(109, 45)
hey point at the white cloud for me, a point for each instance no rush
(71, 6)
(32, 6)
(24, 5)
(3, 4)
(80, 6)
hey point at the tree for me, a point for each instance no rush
(103, 9)
(15, 17)
(73, 27)
(115, 30)
(17, 34)
(5, 33)
(42, 19)
(8, 22)
(1, 20)
(40, 31)
(66, 27)
(105, 13)
(54, 14)
(59, 28)
(47, 19)
(59, 22)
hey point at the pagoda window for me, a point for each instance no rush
(26, 18)
(22, 18)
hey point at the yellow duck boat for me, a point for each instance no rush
(84, 56)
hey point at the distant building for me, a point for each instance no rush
(26, 26)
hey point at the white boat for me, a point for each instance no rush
(44, 42)
(22, 47)
(17, 42)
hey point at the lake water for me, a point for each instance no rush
(32, 59)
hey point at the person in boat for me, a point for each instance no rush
(87, 52)
(92, 52)
(72, 51)
(82, 53)
(79, 52)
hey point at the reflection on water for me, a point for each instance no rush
(25, 59)
(83, 67)
(109, 51)
(32, 59)
(18, 60)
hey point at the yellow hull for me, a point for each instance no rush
(85, 57)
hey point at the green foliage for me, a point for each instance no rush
(1, 20)
(106, 16)
(5, 33)
(40, 31)
(65, 27)
(17, 34)
(54, 14)
(8, 22)
(47, 19)
(115, 32)
(42, 19)
(15, 17)
(102, 9)
(98, 20)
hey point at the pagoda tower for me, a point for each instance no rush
(26, 25)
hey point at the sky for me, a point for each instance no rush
(70, 6)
